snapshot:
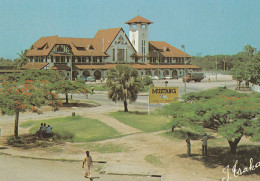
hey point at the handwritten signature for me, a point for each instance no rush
(238, 171)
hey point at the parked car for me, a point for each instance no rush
(154, 77)
(90, 79)
(194, 76)
(162, 78)
(168, 77)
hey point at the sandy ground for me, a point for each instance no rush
(130, 165)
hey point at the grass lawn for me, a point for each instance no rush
(142, 121)
(77, 128)
(153, 159)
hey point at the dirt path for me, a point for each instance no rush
(112, 122)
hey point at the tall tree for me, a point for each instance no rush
(64, 87)
(247, 66)
(249, 50)
(233, 115)
(124, 84)
(22, 60)
(30, 96)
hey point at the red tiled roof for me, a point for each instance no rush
(44, 46)
(38, 66)
(106, 37)
(84, 67)
(168, 50)
(138, 19)
(60, 67)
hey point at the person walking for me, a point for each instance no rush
(92, 89)
(88, 161)
(188, 145)
(204, 145)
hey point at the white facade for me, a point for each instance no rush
(138, 35)
(120, 50)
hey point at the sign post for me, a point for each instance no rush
(149, 101)
(163, 95)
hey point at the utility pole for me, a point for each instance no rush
(183, 46)
(71, 68)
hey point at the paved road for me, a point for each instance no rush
(24, 169)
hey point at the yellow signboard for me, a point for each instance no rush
(163, 94)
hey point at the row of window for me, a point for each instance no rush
(87, 59)
(166, 60)
(66, 59)
(121, 54)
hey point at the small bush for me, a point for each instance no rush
(15, 141)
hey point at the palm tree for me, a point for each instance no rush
(124, 84)
(22, 60)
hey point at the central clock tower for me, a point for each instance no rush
(138, 35)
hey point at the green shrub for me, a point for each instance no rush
(15, 141)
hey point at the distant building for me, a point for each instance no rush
(94, 56)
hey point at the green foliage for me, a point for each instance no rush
(231, 114)
(6, 62)
(66, 87)
(22, 60)
(181, 135)
(212, 93)
(154, 160)
(46, 75)
(17, 142)
(29, 96)
(50, 77)
(124, 84)
(208, 62)
(146, 80)
(77, 129)
(142, 121)
(247, 68)
(80, 87)
(99, 87)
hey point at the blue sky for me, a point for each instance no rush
(204, 26)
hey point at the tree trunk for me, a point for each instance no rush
(125, 105)
(233, 145)
(67, 99)
(16, 124)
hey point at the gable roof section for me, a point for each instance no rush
(138, 19)
(37, 66)
(106, 37)
(168, 50)
(44, 46)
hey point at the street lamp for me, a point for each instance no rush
(183, 46)
(158, 73)
(216, 69)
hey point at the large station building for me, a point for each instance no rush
(78, 57)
